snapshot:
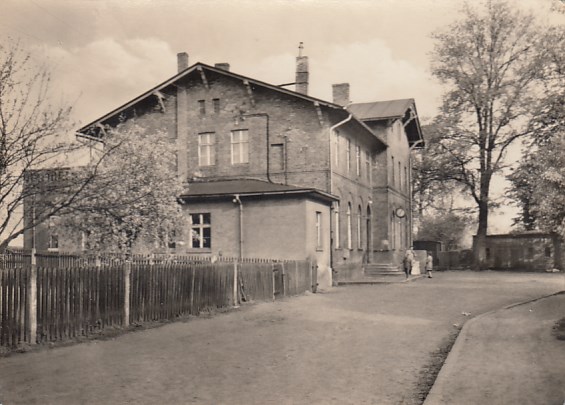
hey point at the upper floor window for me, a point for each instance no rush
(348, 158)
(202, 107)
(201, 231)
(399, 176)
(206, 149)
(240, 146)
(406, 180)
(216, 104)
(336, 147)
(393, 182)
(358, 160)
(368, 165)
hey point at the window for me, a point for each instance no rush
(348, 158)
(406, 181)
(359, 245)
(319, 244)
(202, 107)
(336, 232)
(206, 149)
(216, 103)
(53, 243)
(392, 173)
(547, 251)
(358, 160)
(487, 253)
(201, 231)
(368, 165)
(349, 226)
(336, 148)
(399, 176)
(239, 146)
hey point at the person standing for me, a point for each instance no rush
(407, 262)
(429, 264)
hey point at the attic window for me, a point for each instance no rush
(202, 107)
(216, 103)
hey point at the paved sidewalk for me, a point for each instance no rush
(507, 356)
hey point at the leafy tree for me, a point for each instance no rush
(531, 188)
(32, 136)
(495, 64)
(449, 228)
(133, 197)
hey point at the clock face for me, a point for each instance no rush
(400, 213)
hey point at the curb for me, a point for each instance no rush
(370, 282)
(435, 393)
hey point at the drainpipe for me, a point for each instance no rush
(236, 200)
(410, 187)
(332, 128)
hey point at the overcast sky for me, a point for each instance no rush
(102, 53)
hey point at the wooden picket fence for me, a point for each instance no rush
(54, 297)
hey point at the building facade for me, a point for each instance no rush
(333, 177)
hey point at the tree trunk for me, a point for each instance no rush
(479, 243)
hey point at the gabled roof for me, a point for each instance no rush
(404, 109)
(201, 66)
(249, 188)
(380, 110)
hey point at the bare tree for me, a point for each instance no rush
(493, 63)
(34, 134)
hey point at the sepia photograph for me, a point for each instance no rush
(282, 202)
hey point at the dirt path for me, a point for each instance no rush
(353, 345)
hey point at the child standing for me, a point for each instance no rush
(429, 264)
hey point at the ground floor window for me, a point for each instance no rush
(319, 244)
(53, 243)
(201, 231)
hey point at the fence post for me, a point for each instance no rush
(235, 275)
(273, 278)
(32, 299)
(283, 278)
(127, 288)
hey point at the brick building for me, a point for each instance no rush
(277, 173)
(530, 251)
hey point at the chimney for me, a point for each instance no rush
(301, 72)
(182, 61)
(341, 94)
(223, 66)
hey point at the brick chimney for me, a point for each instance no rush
(223, 66)
(301, 72)
(182, 61)
(341, 94)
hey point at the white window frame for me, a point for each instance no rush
(200, 226)
(237, 143)
(358, 160)
(336, 147)
(348, 158)
(206, 149)
(349, 244)
(319, 241)
(337, 241)
(359, 217)
(53, 240)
